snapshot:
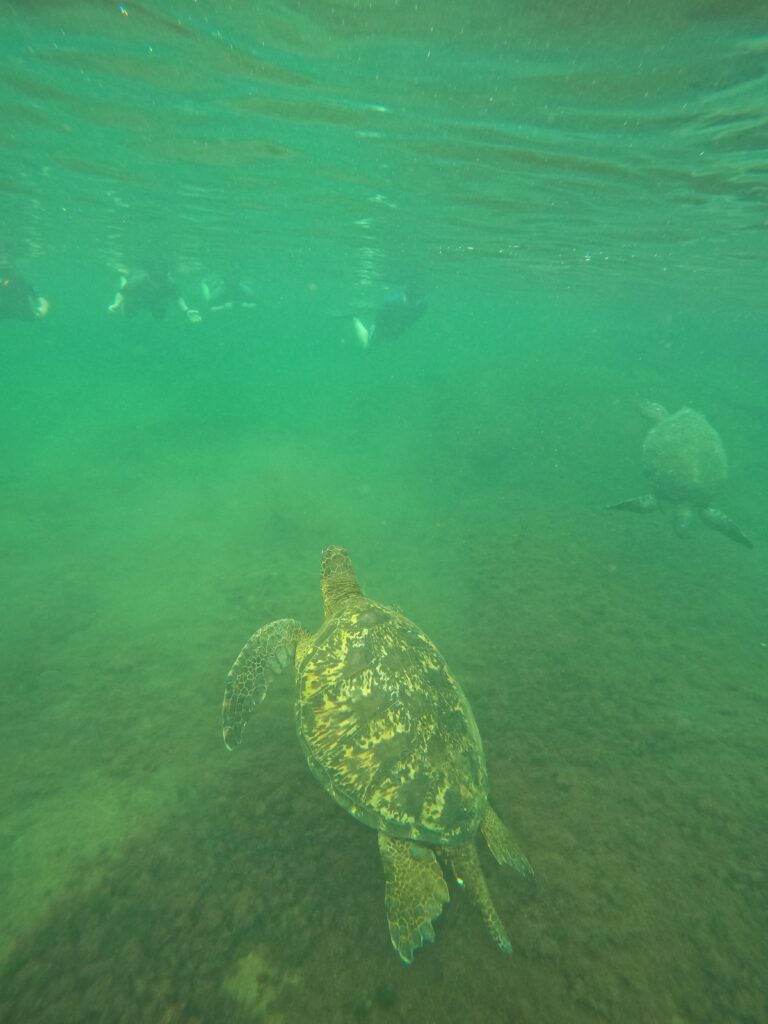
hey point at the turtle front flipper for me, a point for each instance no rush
(266, 654)
(645, 503)
(465, 865)
(414, 894)
(502, 843)
(719, 521)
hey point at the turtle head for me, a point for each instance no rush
(338, 581)
(653, 411)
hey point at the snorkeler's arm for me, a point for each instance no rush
(191, 314)
(119, 299)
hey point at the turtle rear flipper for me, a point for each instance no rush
(265, 655)
(719, 521)
(645, 503)
(465, 865)
(414, 895)
(502, 843)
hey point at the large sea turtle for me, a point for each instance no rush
(684, 460)
(389, 734)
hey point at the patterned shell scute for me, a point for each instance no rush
(387, 729)
(684, 458)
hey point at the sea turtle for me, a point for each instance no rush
(389, 734)
(684, 459)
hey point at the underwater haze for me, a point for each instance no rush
(577, 193)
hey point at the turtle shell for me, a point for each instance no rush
(387, 729)
(684, 458)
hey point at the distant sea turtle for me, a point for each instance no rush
(684, 459)
(389, 734)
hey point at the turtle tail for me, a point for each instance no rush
(265, 655)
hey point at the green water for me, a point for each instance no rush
(581, 190)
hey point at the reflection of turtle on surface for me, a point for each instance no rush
(389, 734)
(684, 459)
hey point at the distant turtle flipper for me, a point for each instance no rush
(719, 521)
(645, 503)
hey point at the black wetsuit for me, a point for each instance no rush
(18, 299)
(150, 292)
(402, 308)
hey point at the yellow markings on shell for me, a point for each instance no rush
(375, 701)
(385, 798)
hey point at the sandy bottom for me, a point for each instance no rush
(616, 672)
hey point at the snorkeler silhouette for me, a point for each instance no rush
(149, 291)
(18, 299)
(402, 307)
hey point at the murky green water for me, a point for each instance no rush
(579, 188)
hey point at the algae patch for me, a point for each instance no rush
(256, 984)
